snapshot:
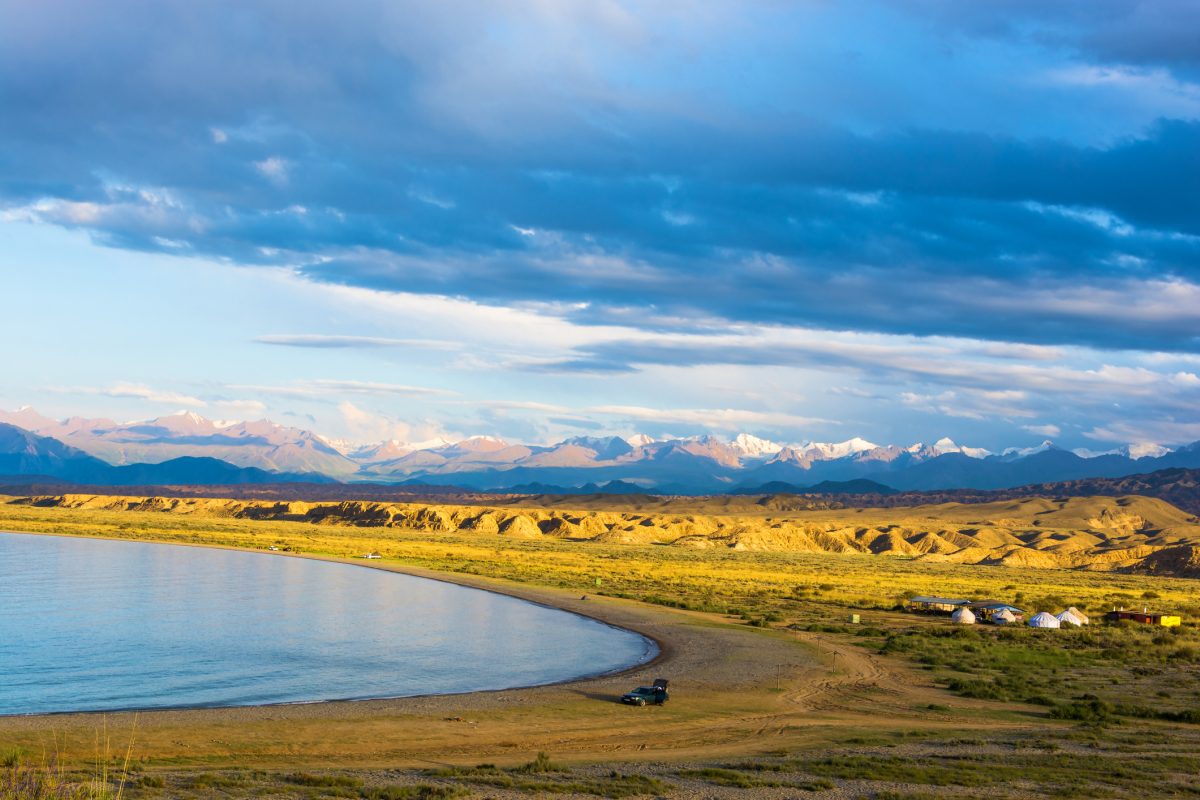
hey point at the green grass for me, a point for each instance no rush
(1123, 667)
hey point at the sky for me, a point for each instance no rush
(804, 220)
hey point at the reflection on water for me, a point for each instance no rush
(88, 624)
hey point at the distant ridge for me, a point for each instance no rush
(25, 454)
(695, 465)
(1177, 486)
(856, 486)
(611, 487)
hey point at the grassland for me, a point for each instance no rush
(898, 706)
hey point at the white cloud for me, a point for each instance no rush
(274, 168)
(363, 425)
(136, 391)
(325, 388)
(726, 419)
(1044, 430)
(1165, 431)
(318, 341)
(244, 407)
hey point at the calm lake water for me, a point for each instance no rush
(89, 625)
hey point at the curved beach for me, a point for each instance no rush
(714, 667)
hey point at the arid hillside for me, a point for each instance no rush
(1136, 534)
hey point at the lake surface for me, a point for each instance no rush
(90, 625)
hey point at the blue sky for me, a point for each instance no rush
(806, 220)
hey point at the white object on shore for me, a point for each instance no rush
(1068, 618)
(1044, 619)
(1079, 615)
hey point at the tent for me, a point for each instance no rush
(1044, 619)
(1079, 615)
(1068, 618)
(963, 617)
(1003, 617)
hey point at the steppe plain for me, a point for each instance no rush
(775, 694)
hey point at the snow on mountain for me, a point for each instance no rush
(1142, 450)
(1023, 452)
(430, 444)
(184, 422)
(827, 451)
(685, 464)
(380, 451)
(948, 445)
(1084, 452)
(751, 446)
(1135, 451)
(477, 444)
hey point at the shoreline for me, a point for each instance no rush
(736, 690)
(588, 606)
(529, 594)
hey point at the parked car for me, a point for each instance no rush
(648, 695)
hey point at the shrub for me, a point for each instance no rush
(1092, 710)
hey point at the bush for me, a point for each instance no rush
(308, 779)
(539, 765)
(1091, 710)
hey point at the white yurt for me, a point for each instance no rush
(1068, 618)
(964, 616)
(1044, 619)
(1003, 617)
(1079, 615)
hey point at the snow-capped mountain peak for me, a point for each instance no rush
(640, 440)
(826, 451)
(430, 444)
(1022, 452)
(184, 422)
(1141, 450)
(751, 446)
(948, 445)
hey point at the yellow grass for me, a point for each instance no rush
(716, 579)
(866, 710)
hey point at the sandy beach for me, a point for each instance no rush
(720, 673)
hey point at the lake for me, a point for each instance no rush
(90, 625)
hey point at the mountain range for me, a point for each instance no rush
(187, 448)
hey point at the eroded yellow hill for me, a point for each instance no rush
(1096, 533)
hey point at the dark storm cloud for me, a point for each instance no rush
(1140, 32)
(403, 147)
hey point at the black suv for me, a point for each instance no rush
(653, 695)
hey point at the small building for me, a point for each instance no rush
(963, 617)
(1144, 617)
(986, 609)
(1082, 617)
(936, 605)
(1069, 617)
(1044, 619)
